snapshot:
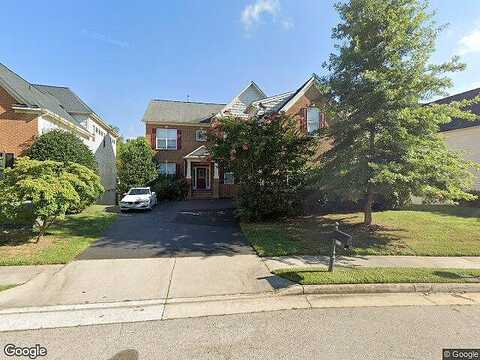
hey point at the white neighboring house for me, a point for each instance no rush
(462, 135)
(102, 139)
(28, 111)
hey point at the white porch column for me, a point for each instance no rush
(215, 171)
(189, 169)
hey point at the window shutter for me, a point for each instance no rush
(322, 120)
(303, 121)
(177, 170)
(153, 138)
(179, 139)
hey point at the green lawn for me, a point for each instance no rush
(64, 240)
(5, 287)
(418, 230)
(343, 275)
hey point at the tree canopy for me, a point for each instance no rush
(135, 164)
(46, 190)
(385, 138)
(63, 146)
(269, 159)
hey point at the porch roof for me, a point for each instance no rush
(199, 153)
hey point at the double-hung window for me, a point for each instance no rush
(313, 119)
(167, 168)
(228, 178)
(201, 135)
(167, 139)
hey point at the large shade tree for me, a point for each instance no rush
(385, 139)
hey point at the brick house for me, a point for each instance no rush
(29, 110)
(176, 131)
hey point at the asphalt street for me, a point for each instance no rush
(410, 332)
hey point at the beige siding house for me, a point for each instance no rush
(464, 136)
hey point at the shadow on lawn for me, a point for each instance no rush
(447, 210)
(74, 225)
(315, 233)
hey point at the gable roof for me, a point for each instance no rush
(239, 104)
(460, 123)
(314, 79)
(172, 111)
(67, 98)
(29, 96)
(271, 103)
(199, 153)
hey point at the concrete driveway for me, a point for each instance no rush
(188, 249)
(183, 228)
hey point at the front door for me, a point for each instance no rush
(202, 178)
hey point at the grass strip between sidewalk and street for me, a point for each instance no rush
(346, 275)
(63, 242)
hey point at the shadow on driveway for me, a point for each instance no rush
(184, 228)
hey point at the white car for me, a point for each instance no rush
(141, 198)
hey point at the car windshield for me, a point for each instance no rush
(138, 192)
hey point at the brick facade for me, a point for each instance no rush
(17, 131)
(187, 141)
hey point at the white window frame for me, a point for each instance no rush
(201, 138)
(231, 181)
(313, 125)
(166, 165)
(165, 138)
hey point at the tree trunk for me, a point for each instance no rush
(368, 203)
(368, 208)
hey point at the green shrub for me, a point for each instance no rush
(87, 184)
(62, 146)
(472, 203)
(326, 202)
(44, 191)
(170, 188)
(135, 164)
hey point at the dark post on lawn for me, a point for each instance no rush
(341, 239)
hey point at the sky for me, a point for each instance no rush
(118, 55)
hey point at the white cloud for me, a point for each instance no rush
(104, 38)
(287, 24)
(470, 43)
(254, 13)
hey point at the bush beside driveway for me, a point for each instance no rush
(64, 241)
(418, 230)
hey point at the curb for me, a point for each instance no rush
(389, 288)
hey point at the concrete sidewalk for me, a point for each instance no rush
(15, 275)
(122, 280)
(306, 261)
(136, 311)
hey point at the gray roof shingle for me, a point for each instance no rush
(172, 111)
(239, 104)
(271, 103)
(28, 95)
(459, 123)
(67, 98)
